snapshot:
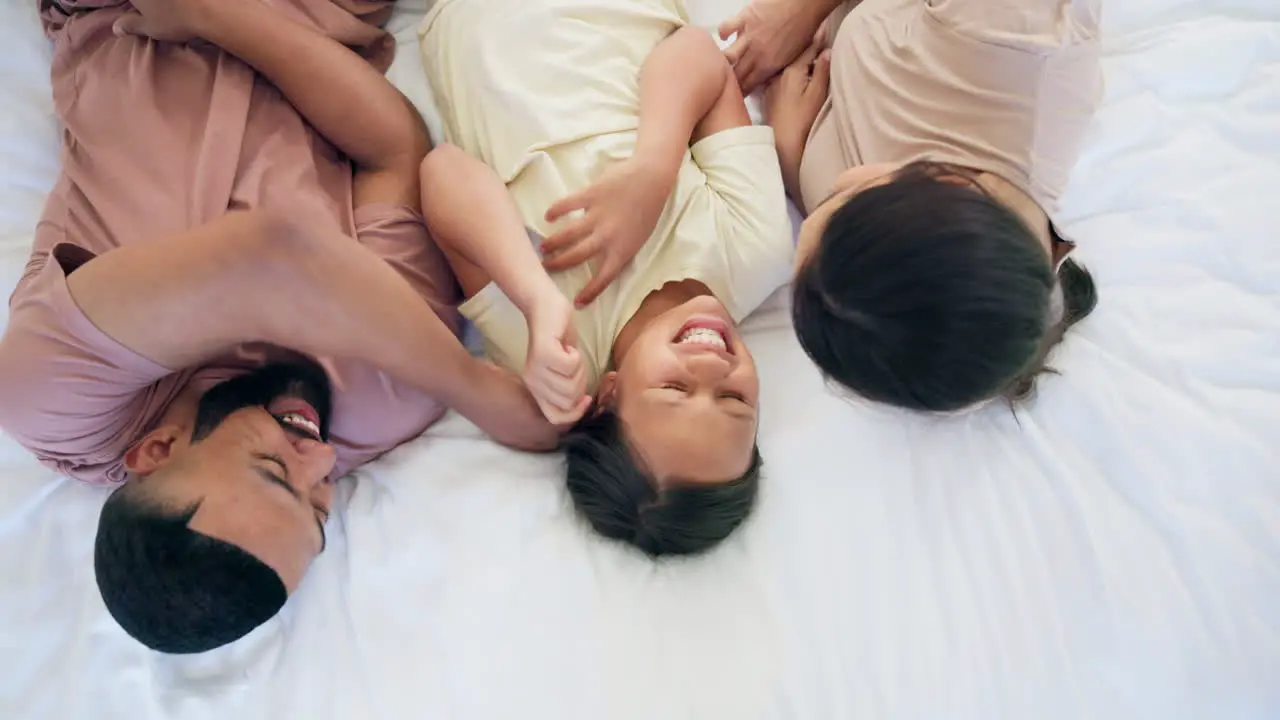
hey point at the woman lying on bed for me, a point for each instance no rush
(615, 109)
(222, 368)
(929, 145)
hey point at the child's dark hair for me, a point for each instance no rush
(929, 294)
(623, 502)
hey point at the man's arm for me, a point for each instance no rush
(258, 277)
(348, 101)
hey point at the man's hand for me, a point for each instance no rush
(554, 371)
(771, 34)
(620, 212)
(167, 20)
(792, 102)
(506, 411)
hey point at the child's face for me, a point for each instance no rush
(686, 393)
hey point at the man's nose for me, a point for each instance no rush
(315, 461)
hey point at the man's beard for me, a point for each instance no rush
(305, 381)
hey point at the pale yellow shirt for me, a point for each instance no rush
(547, 93)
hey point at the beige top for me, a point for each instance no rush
(158, 139)
(1003, 86)
(547, 93)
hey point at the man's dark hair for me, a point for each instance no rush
(623, 502)
(929, 294)
(173, 589)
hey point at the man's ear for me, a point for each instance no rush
(153, 451)
(607, 392)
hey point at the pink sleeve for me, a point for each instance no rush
(68, 392)
(398, 234)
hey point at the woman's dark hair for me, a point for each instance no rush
(171, 588)
(928, 293)
(622, 501)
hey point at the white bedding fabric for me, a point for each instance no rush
(1113, 553)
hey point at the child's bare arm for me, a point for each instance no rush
(476, 223)
(687, 92)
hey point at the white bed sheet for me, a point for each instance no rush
(1113, 553)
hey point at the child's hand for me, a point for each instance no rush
(554, 371)
(620, 212)
(793, 99)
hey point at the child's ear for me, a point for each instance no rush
(607, 392)
(153, 451)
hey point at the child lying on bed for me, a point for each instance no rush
(616, 109)
(223, 368)
(929, 145)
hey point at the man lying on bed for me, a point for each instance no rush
(145, 341)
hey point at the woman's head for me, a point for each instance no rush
(668, 460)
(916, 287)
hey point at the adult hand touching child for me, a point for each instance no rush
(771, 35)
(792, 101)
(619, 213)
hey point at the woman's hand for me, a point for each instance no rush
(771, 34)
(792, 101)
(620, 211)
(167, 20)
(554, 371)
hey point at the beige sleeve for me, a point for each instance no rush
(744, 195)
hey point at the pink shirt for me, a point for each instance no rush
(158, 139)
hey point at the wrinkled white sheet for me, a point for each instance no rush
(1114, 553)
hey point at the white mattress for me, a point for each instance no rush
(1113, 553)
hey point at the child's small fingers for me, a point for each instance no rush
(567, 236)
(566, 205)
(572, 256)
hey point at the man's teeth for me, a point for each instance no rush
(302, 422)
(704, 336)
